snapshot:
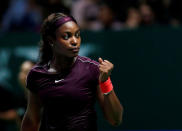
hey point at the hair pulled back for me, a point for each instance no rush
(48, 33)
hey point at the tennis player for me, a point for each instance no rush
(63, 86)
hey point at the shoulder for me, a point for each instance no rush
(91, 65)
(36, 71)
(34, 76)
(86, 60)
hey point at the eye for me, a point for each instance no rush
(66, 36)
(77, 35)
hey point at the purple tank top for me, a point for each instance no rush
(69, 99)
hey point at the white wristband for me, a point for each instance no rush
(107, 93)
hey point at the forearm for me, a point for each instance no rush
(113, 110)
(32, 117)
(29, 125)
(110, 104)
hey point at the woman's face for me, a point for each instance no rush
(67, 40)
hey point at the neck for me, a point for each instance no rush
(61, 64)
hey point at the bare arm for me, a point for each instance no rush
(110, 104)
(111, 107)
(31, 120)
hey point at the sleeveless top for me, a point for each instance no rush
(68, 99)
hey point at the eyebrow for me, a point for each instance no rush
(70, 31)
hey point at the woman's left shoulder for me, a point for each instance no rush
(90, 64)
(88, 60)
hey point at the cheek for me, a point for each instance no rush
(60, 47)
(79, 41)
(61, 44)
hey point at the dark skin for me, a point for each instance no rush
(65, 50)
(66, 46)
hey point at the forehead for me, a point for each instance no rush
(69, 26)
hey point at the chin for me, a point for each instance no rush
(73, 55)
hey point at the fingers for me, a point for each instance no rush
(107, 61)
(105, 68)
(105, 65)
(100, 60)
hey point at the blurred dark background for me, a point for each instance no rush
(141, 37)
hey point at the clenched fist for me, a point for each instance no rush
(105, 68)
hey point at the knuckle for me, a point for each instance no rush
(112, 65)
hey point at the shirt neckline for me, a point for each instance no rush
(46, 67)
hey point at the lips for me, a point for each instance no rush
(75, 49)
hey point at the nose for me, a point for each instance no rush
(74, 41)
